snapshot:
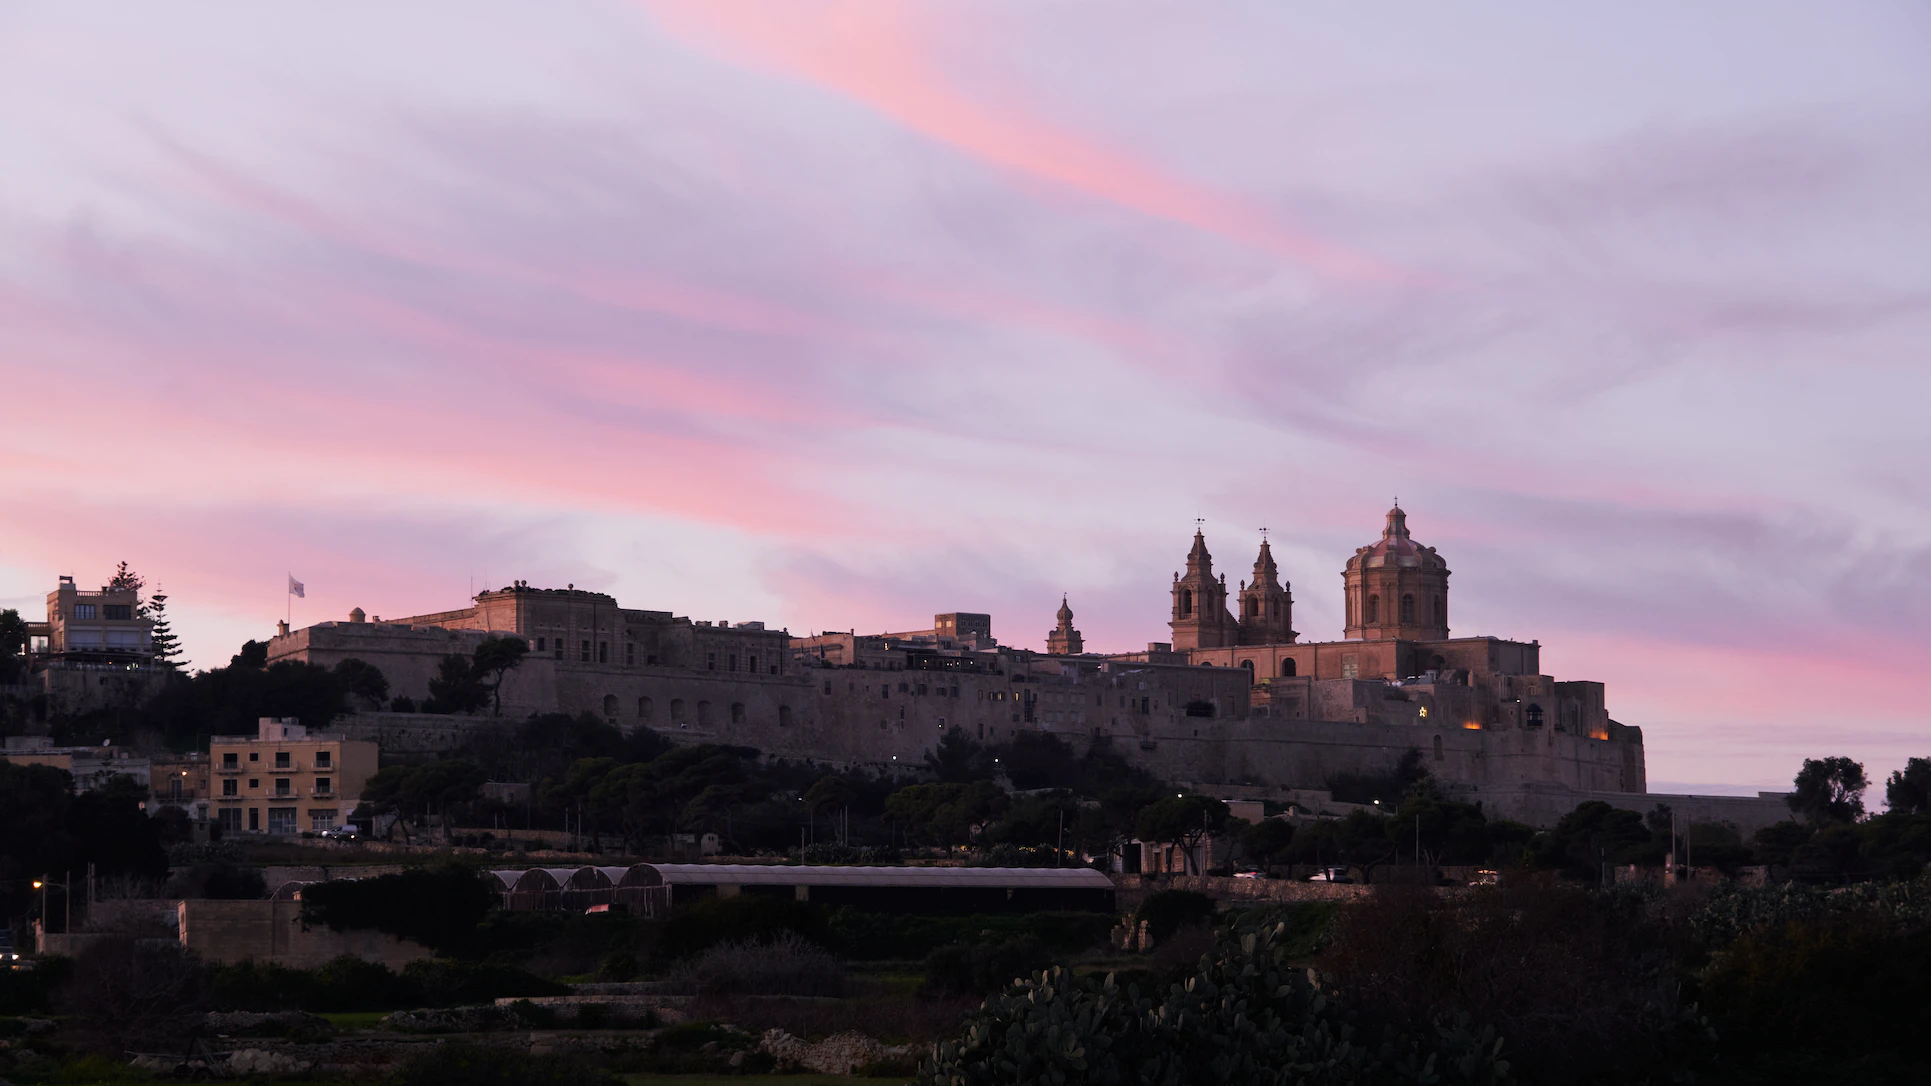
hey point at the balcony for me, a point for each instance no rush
(229, 768)
(318, 790)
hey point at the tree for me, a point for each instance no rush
(166, 648)
(456, 688)
(1829, 790)
(1907, 792)
(494, 659)
(417, 790)
(959, 759)
(362, 680)
(948, 813)
(1594, 834)
(1267, 841)
(1183, 821)
(253, 656)
(126, 580)
(13, 644)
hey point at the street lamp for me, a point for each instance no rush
(67, 898)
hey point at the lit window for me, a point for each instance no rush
(83, 610)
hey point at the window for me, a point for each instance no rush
(283, 786)
(751, 664)
(1533, 716)
(784, 716)
(558, 650)
(1249, 665)
(1407, 609)
(254, 817)
(1351, 666)
(1254, 607)
(230, 760)
(710, 661)
(731, 662)
(281, 820)
(321, 820)
(1374, 611)
(630, 653)
(323, 760)
(827, 686)
(1287, 668)
(703, 714)
(83, 610)
(677, 711)
(737, 712)
(231, 787)
(646, 708)
(229, 819)
(584, 653)
(282, 760)
(603, 652)
(610, 706)
(254, 783)
(119, 611)
(324, 786)
(541, 646)
(254, 756)
(1186, 602)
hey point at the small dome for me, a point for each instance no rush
(1065, 611)
(357, 615)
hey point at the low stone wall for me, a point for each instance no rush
(272, 931)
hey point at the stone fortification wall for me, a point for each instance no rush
(272, 932)
(1540, 804)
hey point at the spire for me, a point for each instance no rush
(1199, 561)
(1065, 612)
(1265, 571)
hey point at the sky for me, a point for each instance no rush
(836, 315)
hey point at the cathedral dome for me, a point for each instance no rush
(1396, 549)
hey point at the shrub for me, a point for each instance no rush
(787, 965)
(975, 968)
(1167, 911)
(131, 990)
(1247, 1015)
(437, 907)
(696, 928)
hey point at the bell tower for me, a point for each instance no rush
(1266, 604)
(1064, 640)
(1200, 618)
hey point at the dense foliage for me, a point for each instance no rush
(1246, 1014)
(437, 907)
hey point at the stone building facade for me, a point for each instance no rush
(1235, 701)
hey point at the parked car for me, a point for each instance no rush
(9, 957)
(1251, 873)
(1330, 874)
(340, 833)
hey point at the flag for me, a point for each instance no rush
(295, 587)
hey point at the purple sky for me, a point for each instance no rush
(837, 315)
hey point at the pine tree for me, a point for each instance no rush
(126, 580)
(166, 647)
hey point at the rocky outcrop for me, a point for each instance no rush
(839, 1054)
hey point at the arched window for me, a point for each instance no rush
(1249, 665)
(1287, 668)
(646, 708)
(1533, 716)
(737, 712)
(703, 714)
(610, 705)
(1254, 607)
(1186, 602)
(677, 710)
(784, 716)
(1438, 748)
(1374, 611)
(1407, 610)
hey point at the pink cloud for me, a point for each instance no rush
(878, 54)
